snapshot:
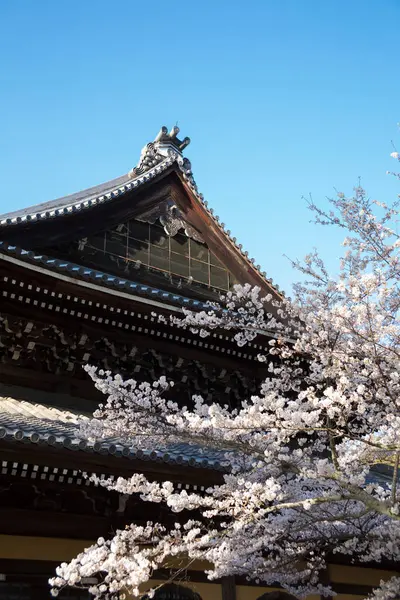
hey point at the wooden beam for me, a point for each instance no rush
(31, 570)
(171, 347)
(98, 463)
(56, 524)
(228, 588)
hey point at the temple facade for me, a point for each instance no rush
(83, 279)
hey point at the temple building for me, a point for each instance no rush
(82, 279)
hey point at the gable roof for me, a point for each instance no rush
(158, 158)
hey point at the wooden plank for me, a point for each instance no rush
(228, 588)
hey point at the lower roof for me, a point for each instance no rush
(34, 423)
(27, 422)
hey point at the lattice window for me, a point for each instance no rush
(137, 242)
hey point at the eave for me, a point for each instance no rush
(24, 422)
(95, 279)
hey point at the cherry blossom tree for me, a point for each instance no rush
(300, 457)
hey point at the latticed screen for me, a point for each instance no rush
(150, 245)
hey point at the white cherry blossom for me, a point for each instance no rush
(311, 461)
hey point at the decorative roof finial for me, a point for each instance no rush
(174, 132)
(163, 131)
(185, 142)
(164, 144)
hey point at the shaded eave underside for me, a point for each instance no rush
(85, 279)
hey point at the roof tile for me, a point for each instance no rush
(23, 421)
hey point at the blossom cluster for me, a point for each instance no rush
(299, 483)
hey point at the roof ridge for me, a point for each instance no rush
(73, 198)
(186, 169)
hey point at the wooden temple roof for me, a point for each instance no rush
(59, 311)
(163, 174)
(59, 314)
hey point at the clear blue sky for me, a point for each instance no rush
(280, 98)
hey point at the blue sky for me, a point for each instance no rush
(281, 99)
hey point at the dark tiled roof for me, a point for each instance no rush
(85, 199)
(381, 474)
(28, 422)
(66, 204)
(157, 157)
(99, 277)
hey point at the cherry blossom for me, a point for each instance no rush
(310, 463)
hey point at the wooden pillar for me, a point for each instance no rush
(326, 580)
(228, 588)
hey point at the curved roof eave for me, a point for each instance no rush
(22, 421)
(84, 199)
(66, 269)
